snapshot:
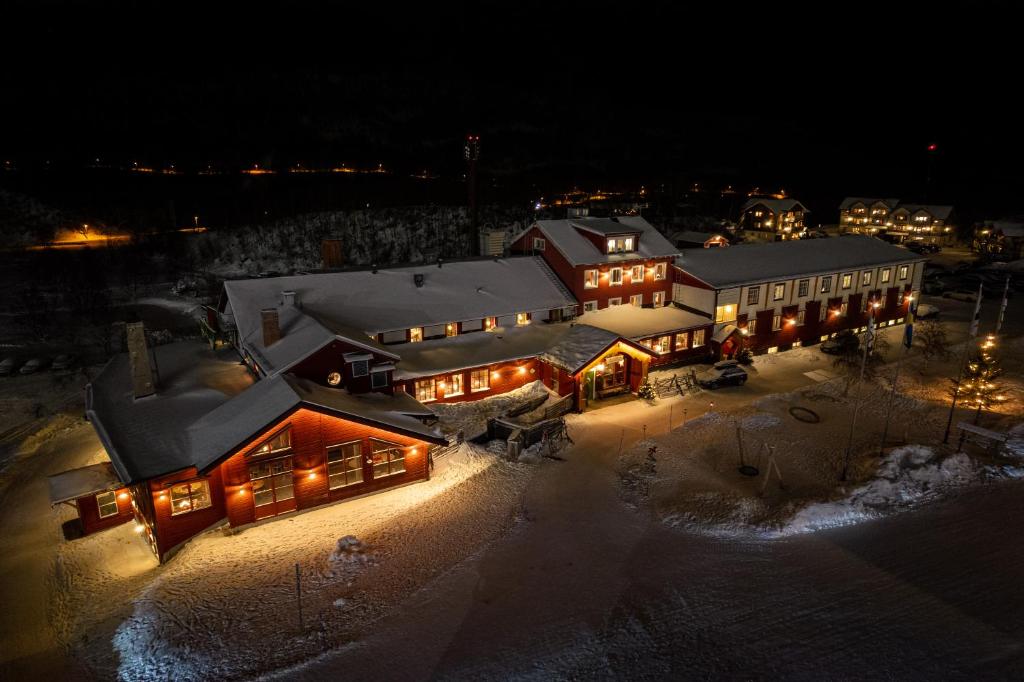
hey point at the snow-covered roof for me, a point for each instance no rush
(206, 405)
(935, 210)
(867, 201)
(763, 262)
(88, 480)
(633, 322)
(389, 299)
(776, 205)
(578, 250)
(581, 344)
(940, 211)
(692, 237)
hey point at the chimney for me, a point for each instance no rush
(418, 280)
(271, 327)
(330, 254)
(138, 361)
(288, 298)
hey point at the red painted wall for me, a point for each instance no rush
(89, 512)
(170, 530)
(690, 353)
(329, 359)
(509, 378)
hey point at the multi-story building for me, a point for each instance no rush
(770, 297)
(897, 221)
(764, 219)
(1001, 240)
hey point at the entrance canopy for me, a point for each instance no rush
(95, 478)
(585, 346)
(724, 333)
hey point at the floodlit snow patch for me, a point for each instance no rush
(762, 420)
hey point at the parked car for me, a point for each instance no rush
(842, 342)
(62, 362)
(961, 295)
(925, 311)
(33, 366)
(725, 373)
(8, 366)
(933, 286)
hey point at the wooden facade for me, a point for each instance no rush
(502, 377)
(88, 508)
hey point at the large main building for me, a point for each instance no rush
(332, 397)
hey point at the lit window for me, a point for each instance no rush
(751, 326)
(753, 294)
(636, 273)
(454, 385)
(479, 380)
(272, 481)
(725, 313)
(659, 299)
(590, 279)
(345, 464)
(802, 288)
(522, 319)
(865, 278)
(186, 497)
(779, 292)
(416, 334)
(773, 349)
(662, 344)
(847, 281)
(281, 441)
(388, 458)
(490, 323)
(636, 300)
(451, 329)
(615, 277)
(333, 379)
(776, 322)
(659, 271)
(823, 338)
(615, 301)
(682, 341)
(539, 244)
(800, 314)
(378, 379)
(107, 502)
(589, 306)
(826, 284)
(903, 272)
(758, 214)
(698, 338)
(885, 275)
(425, 390)
(842, 308)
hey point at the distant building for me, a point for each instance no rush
(898, 221)
(689, 239)
(772, 219)
(1000, 239)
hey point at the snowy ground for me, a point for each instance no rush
(471, 417)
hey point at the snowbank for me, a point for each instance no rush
(471, 417)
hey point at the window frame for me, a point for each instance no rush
(753, 295)
(660, 271)
(617, 300)
(258, 451)
(100, 505)
(776, 322)
(826, 284)
(904, 270)
(686, 340)
(202, 483)
(884, 275)
(343, 460)
(474, 387)
(801, 317)
(698, 338)
(415, 332)
(611, 276)
(591, 278)
(636, 300)
(751, 325)
(803, 287)
(589, 306)
(365, 364)
(659, 299)
(540, 243)
(662, 345)
(390, 448)
(452, 380)
(865, 278)
(846, 280)
(632, 273)
(433, 389)
(776, 296)
(522, 319)
(379, 373)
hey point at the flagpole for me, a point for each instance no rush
(972, 333)
(1002, 306)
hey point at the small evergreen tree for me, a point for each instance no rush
(978, 388)
(646, 390)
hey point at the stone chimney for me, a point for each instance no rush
(271, 327)
(143, 383)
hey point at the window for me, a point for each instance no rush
(659, 271)
(758, 214)
(620, 244)
(360, 368)
(416, 334)
(725, 313)
(589, 306)
(479, 380)
(842, 308)
(802, 288)
(590, 279)
(636, 300)
(751, 326)
(661, 344)
(107, 503)
(388, 458)
(698, 338)
(800, 315)
(451, 329)
(847, 281)
(773, 349)
(776, 322)
(885, 275)
(522, 319)
(682, 341)
(333, 379)
(826, 284)
(779, 292)
(378, 379)
(903, 272)
(753, 294)
(659, 299)
(539, 243)
(615, 301)
(636, 273)
(425, 390)
(186, 497)
(454, 386)
(345, 464)
(865, 278)
(277, 443)
(615, 277)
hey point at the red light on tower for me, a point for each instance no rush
(933, 147)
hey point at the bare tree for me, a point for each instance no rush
(849, 362)
(933, 340)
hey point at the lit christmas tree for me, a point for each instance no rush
(978, 389)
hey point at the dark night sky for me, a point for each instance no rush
(827, 98)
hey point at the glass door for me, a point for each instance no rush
(273, 488)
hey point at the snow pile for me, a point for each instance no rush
(471, 417)
(906, 476)
(761, 420)
(349, 549)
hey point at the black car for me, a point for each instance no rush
(725, 373)
(842, 342)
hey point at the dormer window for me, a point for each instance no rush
(379, 379)
(360, 368)
(415, 334)
(621, 244)
(451, 329)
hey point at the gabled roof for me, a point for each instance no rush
(632, 322)
(87, 480)
(765, 262)
(578, 250)
(581, 344)
(937, 211)
(355, 304)
(867, 201)
(776, 205)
